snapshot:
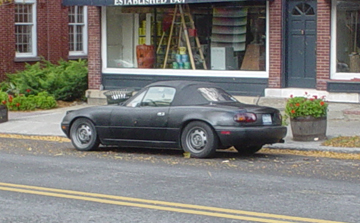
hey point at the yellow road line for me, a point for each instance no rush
(33, 137)
(154, 204)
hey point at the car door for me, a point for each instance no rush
(144, 118)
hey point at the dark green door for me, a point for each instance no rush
(300, 51)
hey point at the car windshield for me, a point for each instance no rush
(216, 95)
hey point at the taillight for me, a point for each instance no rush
(245, 117)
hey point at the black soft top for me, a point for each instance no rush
(186, 91)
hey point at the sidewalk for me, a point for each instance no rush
(47, 123)
(335, 128)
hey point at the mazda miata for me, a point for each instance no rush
(198, 117)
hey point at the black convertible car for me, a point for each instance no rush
(195, 116)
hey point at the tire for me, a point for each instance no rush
(83, 135)
(199, 139)
(248, 150)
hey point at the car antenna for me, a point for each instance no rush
(258, 99)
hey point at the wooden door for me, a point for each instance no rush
(300, 51)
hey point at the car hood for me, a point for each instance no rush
(88, 112)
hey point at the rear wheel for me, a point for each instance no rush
(83, 135)
(199, 140)
(248, 150)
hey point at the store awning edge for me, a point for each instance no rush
(142, 2)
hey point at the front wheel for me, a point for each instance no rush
(248, 150)
(83, 135)
(199, 139)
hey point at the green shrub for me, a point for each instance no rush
(66, 80)
(44, 101)
(70, 83)
(22, 102)
(3, 97)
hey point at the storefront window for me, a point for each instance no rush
(348, 36)
(228, 36)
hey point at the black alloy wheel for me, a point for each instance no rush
(199, 139)
(83, 135)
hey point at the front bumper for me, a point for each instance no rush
(259, 135)
(66, 129)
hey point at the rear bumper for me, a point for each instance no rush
(231, 136)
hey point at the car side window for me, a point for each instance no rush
(158, 96)
(136, 101)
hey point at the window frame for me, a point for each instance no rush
(334, 75)
(183, 72)
(158, 103)
(33, 52)
(84, 51)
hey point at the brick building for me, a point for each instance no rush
(35, 29)
(250, 48)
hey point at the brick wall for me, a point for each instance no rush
(52, 35)
(7, 52)
(94, 55)
(275, 39)
(323, 43)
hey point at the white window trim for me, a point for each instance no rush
(334, 75)
(182, 72)
(85, 37)
(33, 30)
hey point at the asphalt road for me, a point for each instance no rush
(49, 181)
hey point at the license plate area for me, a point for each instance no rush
(266, 118)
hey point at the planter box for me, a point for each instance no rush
(3, 114)
(308, 128)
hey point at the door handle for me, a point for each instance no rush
(160, 114)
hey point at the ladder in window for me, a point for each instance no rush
(179, 12)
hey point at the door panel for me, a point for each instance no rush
(139, 123)
(300, 38)
(143, 118)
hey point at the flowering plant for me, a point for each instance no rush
(22, 102)
(306, 106)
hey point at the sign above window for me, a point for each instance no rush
(141, 2)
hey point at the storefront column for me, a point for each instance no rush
(323, 43)
(94, 55)
(275, 33)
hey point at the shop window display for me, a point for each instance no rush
(348, 36)
(227, 36)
